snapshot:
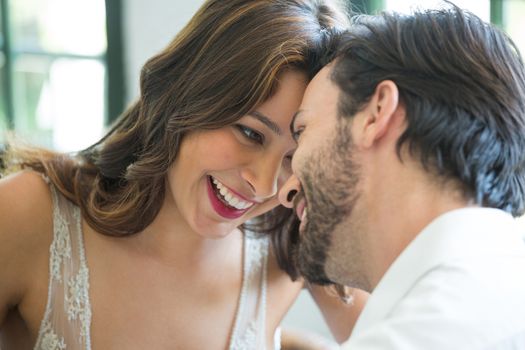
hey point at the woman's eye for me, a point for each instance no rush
(251, 134)
(288, 159)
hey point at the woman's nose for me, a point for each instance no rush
(263, 177)
(289, 190)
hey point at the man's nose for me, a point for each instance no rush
(289, 190)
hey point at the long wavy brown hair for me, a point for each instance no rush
(224, 63)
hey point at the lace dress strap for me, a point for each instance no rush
(249, 331)
(66, 321)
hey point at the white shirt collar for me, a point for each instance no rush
(454, 235)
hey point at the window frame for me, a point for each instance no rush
(112, 59)
(372, 6)
(7, 83)
(367, 6)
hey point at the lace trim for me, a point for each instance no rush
(77, 295)
(85, 313)
(248, 339)
(264, 262)
(60, 249)
(257, 251)
(234, 345)
(255, 259)
(76, 298)
(50, 340)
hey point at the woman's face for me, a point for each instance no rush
(224, 177)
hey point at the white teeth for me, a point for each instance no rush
(303, 217)
(230, 198)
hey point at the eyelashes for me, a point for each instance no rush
(255, 137)
(250, 134)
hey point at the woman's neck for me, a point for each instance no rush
(170, 238)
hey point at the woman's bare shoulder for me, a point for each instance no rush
(25, 202)
(26, 222)
(25, 235)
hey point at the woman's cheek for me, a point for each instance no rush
(264, 207)
(284, 175)
(224, 150)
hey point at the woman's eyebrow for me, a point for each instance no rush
(266, 121)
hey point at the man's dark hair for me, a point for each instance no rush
(462, 83)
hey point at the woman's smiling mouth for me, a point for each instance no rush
(225, 202)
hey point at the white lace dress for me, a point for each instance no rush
(67, 319)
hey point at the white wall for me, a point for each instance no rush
(148, 27)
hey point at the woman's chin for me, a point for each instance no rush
(214, 230)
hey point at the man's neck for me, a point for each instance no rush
(400, 210)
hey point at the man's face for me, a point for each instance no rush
(324, 163)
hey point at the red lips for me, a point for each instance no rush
(221, 208)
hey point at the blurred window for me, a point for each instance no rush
(513, 14)
(479, 7)
(54, 63)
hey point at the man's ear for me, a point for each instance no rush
(379, 113)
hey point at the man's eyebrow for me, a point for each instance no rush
(296, 114)
(266, 121)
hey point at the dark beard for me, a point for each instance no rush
(329, 179)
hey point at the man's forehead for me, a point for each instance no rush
(324, 75)
(321, 91)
